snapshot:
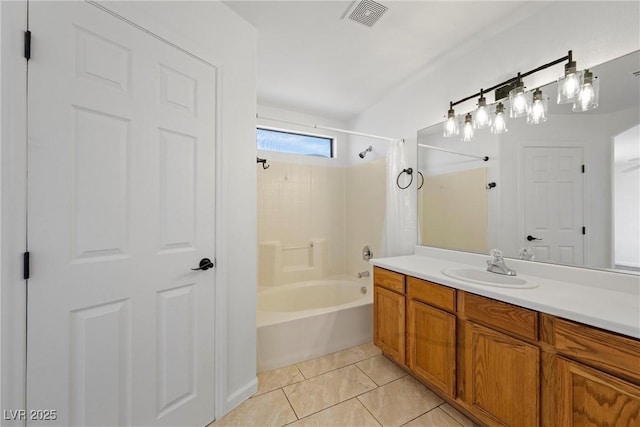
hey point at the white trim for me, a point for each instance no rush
(13, 170)
(242, 394)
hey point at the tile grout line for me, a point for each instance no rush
(369, 391)
(452, 417)
(367, 409)
(337, 403)
(291, 406)
(334, 369)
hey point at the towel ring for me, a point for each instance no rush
(409, 172)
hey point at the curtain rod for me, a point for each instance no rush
(484, 158)
(350, 132)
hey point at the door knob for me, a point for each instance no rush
(205, 264)
(530, 238)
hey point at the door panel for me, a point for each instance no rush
(121, 207)
(500, 371)
(588, 397)
(432, 345)
(553, 203)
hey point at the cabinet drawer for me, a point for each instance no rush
(388, 279)
(501, 315)
(600, 348)
(431, 293)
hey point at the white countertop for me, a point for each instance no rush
(607, 305)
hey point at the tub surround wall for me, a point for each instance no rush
(278, 264)
(304, 198)
(300, 205)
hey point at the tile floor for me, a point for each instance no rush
(354, 387)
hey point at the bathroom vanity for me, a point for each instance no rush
(540, 356)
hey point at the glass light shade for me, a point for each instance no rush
(538, 108)
(569, 85)
(451, 124)
(518, 101)
(467, 129)
(589, 93)
(481, 117)
(499, 122)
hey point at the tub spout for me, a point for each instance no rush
(363, 274)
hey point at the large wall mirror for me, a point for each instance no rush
(566, 191)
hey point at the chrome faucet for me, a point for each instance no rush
(363, 274)
(497, 265)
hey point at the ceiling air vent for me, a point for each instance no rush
(367, 12)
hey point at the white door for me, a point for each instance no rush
(121, 207)
(553, 204)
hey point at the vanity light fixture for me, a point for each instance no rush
(499, 122)
(518, 100)
(588, 95)
(538, 109)
(451, 124)
(569, 84)
(467, 130)
(481, 118)
(577, 87)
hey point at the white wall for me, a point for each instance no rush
(611, 29)
(212, 31)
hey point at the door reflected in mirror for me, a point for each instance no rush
(567, 190)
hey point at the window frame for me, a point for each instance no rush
(332, 146)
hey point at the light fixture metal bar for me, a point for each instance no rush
(431, 147)
(513, 79)
(350, 132)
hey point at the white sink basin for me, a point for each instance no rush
(483, 277)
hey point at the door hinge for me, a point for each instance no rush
(583, 168)
(26, 269)
(584, 230)
(27, 44)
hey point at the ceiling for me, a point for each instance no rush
(313, 59)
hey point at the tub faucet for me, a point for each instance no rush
(363, 274)
(497, 265)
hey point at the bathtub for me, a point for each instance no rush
(301, 321)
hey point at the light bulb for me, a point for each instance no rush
(587, 98)
(481, 118)
(538, 111)
(518, 100)
(451, 124)
(467, 130)
(569, 84)
(499, 123)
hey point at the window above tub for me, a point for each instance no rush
(284, 141)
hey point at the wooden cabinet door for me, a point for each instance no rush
(432, 345)
(388, 323)
(588, 397)
(502, 376)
